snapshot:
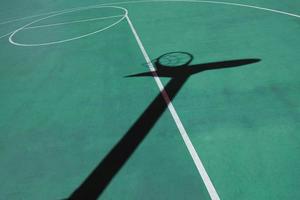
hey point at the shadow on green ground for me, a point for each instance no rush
(179, 72)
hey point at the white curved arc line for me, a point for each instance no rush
(66, 40)
(73, 22)
(211, 2)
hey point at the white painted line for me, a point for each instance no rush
(210, 2)
(73, 22)
(10, 39)
(7, 34)
(65, 23)
(208, 183)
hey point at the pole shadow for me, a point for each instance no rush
(175, 65)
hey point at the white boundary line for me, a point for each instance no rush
(210, 2)
(200, 167)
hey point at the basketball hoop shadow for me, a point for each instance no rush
(100, 177)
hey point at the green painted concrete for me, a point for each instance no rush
(63, 107)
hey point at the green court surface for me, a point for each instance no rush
(82, 116)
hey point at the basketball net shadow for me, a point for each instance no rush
(101, 176)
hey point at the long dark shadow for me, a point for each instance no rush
(100, 177)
